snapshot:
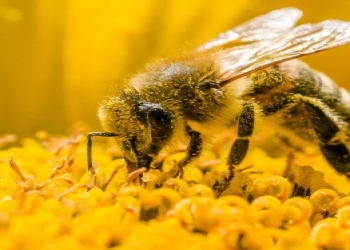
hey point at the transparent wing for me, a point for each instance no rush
(300, 41)
(263, 27)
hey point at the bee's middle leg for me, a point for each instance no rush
(240, 147)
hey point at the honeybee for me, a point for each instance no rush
(244, 75)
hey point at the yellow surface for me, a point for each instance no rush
(59, 58)
(48, 201)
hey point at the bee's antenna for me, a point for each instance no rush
(89, 145)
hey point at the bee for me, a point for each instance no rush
(247, 74)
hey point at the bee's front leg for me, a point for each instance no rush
(240, 147)
(194, 148)
(193, 151)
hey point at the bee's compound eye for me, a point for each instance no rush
(159, 116)
(156, 117)
(161, 124)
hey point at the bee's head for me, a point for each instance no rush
(144, 127)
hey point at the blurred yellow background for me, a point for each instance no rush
(58, 59)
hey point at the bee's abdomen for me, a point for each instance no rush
(284, 91)
(275, 87)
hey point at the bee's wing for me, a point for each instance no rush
(263, 27)
(300, 41)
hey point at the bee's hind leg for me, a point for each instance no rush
(240, 147)
(329, 135)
